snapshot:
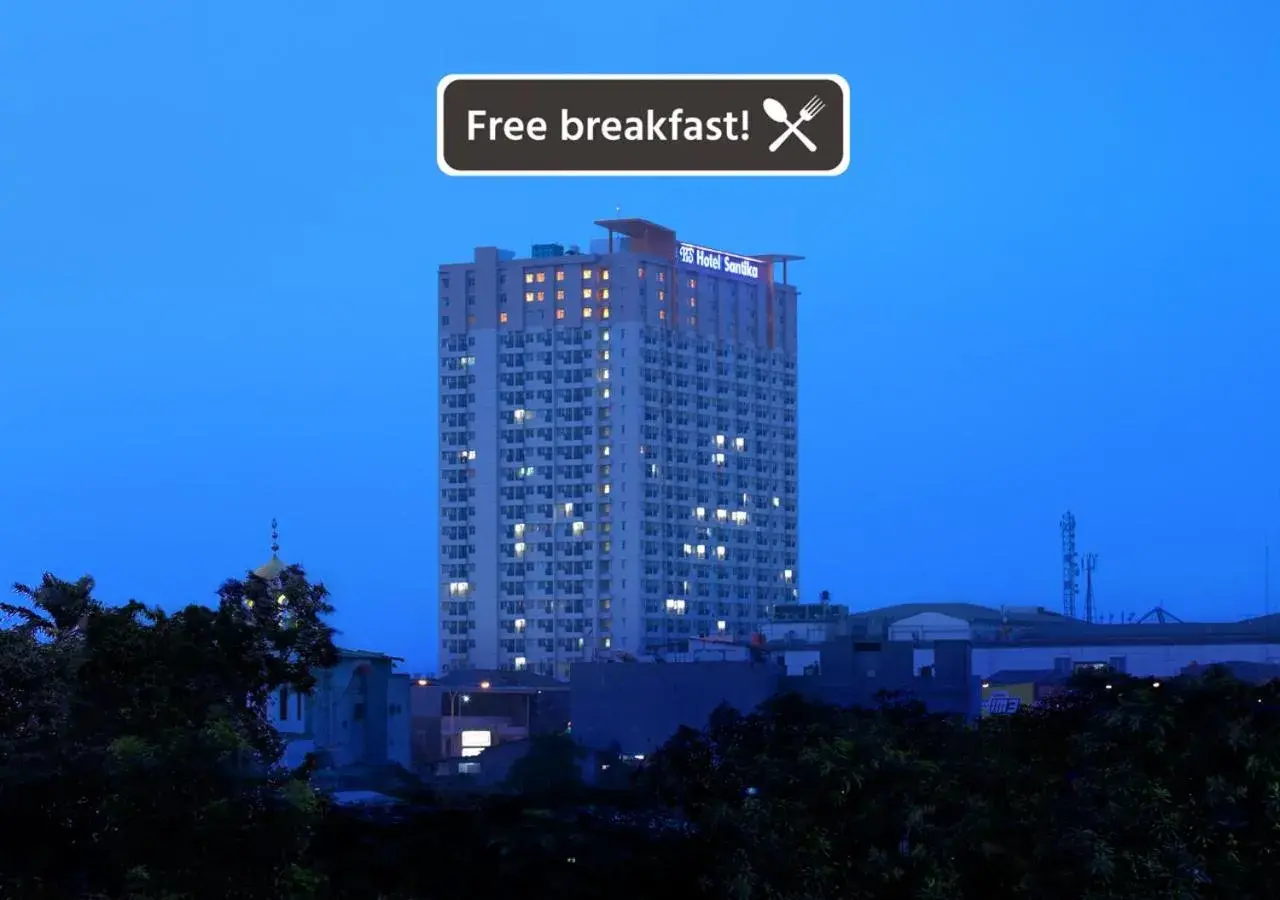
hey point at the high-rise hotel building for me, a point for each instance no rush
(618, 449)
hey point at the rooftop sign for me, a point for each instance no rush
(718, 261)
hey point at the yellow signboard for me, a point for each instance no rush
(1006, 699)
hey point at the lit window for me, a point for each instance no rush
(604, 274)
(542, 295)
(604, 313)
(693, 301)
(528, 278)
(604, 335)
(559, 274)
(662, 295)
(640, 272)
(586, 274)
(586, 312)
(528, 296)
(586, 293)
(739, 443)
(662, 276)
(604, 293)
(559, 313)
(693, 320)
(542, 276)
(662, 314)
(559, 295)
(521, 662)
(693, 282)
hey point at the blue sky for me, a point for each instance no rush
(1049, 280)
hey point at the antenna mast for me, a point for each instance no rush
(1090, 563)
(1070, 565)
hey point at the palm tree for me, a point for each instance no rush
(55, 609)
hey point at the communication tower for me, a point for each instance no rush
(1070, 565)
(1090, 563)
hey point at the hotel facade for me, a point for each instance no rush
(618, 449)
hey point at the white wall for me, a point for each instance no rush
(1140, 659)
(930, 626)
(292, 720)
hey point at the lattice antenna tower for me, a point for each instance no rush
(1090, 563)
(1070, 566)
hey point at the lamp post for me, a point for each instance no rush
(454, 698)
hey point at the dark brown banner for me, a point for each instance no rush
(643, 125)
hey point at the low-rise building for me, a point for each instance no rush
(458, 717)
(356, 715)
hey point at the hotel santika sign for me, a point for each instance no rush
(718, 261)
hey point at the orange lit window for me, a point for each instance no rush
(541, 296)
(559, 295)
(542, 276)
(586, 312)
(528, 278)
(604, 312)
(559, 313)
(586, 293)
(559, 274)
(528, 296)
(502, 317)
(662, 314)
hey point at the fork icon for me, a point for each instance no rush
(776, 111)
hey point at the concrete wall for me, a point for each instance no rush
(640, 706)
(399, 721)
(1136, 659)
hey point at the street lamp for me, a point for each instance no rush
(454, 698)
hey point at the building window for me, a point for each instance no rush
(542, 295)
(559, 274)
(528, 296)
(528, 278)
(559, 313)
(586, 274)
(542, 276)
(502, 317)
(586, 293)
(586, 312)
(357, 712)
(559, 295)
(604, 274)
(662, 314)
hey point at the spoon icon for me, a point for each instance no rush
(776, 111)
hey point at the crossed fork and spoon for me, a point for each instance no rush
(776, 111)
